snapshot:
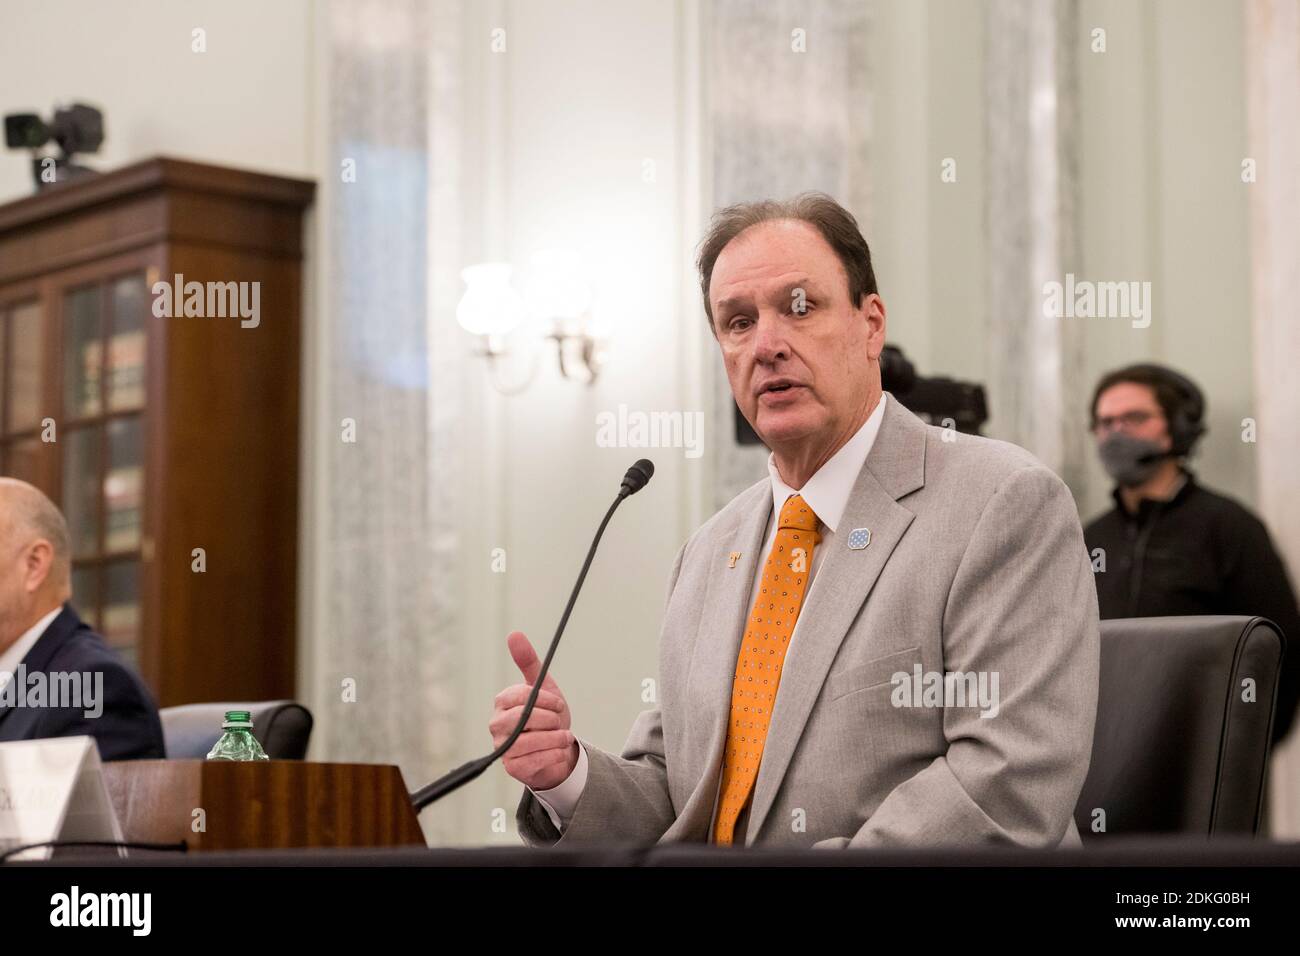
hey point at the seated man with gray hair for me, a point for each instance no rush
(57, 677)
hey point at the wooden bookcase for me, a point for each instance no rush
(170, 442)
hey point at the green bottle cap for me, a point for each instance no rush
(238, 719)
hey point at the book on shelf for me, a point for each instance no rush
(123, 497)
(123, 531)
(91, 366)
(126, 369)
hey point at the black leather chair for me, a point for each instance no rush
(1176, 749)
(282, 727)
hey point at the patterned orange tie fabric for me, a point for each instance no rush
(758, 668)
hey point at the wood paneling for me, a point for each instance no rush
(262, 804)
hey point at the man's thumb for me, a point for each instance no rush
(526, 659)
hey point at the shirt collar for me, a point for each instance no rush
(15, 652)
(1146, 506)
(827, 491)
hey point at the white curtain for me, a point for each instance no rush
(1273, 95)
(805, 125)
(384, 611)
(1036, 397)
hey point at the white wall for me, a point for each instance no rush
(1162, 134)
(245, 102)
(927, 237)
(586, 95)
(1163, 137)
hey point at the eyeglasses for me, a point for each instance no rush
(1135, 419)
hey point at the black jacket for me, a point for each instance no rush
(1198, 553)
(128, 727)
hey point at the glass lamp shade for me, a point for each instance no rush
(489, 306)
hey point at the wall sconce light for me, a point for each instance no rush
(556, 296)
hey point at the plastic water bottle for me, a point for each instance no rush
(237, 742)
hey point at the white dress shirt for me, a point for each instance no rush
(13, 654)
(827, 493)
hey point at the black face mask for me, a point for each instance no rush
(1130, 461)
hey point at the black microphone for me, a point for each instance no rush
(636, 477)
(633, 481)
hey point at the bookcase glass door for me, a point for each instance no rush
(102, 446)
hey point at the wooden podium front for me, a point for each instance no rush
(229, 805)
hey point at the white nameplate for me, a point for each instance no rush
(53, 790)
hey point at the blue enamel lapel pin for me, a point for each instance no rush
(859, 538)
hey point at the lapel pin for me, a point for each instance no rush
(859, 538)
(732, 559)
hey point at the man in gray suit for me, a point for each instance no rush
(892, 640)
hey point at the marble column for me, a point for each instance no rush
(1273, 98)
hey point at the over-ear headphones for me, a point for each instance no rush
(1186, 424)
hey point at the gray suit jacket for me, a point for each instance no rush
(976, 564)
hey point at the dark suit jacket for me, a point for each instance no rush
(127, 729)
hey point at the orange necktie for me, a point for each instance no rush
(758, 668)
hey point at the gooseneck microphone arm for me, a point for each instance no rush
(633, 481)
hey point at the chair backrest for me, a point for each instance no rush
(282, 727)
(1180, 745)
